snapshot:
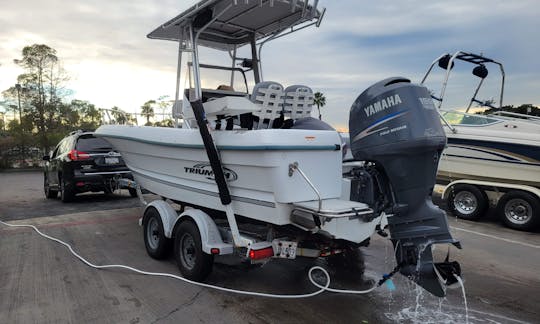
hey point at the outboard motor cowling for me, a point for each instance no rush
(395, 126)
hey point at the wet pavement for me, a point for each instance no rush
(41, 282)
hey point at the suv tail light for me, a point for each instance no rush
(75, 155)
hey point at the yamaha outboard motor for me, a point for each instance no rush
(395, 128)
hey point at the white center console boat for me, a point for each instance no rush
(252, 179)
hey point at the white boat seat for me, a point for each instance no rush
(219, 104)
(269, 96)
(229, 106)
(298, 102)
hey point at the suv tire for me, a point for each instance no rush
(66, 193)
(49, 193)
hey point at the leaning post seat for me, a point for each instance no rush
(269, 95)
(298, 102)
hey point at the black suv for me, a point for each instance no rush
(82, 162)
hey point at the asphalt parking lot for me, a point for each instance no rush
(40, 281)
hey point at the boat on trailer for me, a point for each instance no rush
(256, 176)
(501, 147)
(499, 152)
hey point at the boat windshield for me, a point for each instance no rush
(459, 118)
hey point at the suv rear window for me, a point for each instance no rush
(91, 143)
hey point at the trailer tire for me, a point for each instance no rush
(467, 202)
(158, 246)
(519, 210)
(193, 262)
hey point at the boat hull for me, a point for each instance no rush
(489, 160)
(173, 164)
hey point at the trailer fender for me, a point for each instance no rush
(210, 235)
(166, 212)
(488, 184)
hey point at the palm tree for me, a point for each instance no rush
(119, 115)
(147, 110)
(131, 119)
(320, 100)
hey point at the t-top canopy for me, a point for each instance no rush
(234, 22)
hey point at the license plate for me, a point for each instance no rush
(285, 249)
(111, 160)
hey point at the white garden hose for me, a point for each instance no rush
(322, 288)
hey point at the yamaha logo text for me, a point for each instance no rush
(383, 104)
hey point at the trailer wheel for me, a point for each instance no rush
(193, 263)
(157, 244)
(519, 210)
(467, 201)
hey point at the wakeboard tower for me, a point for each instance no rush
(256, 176)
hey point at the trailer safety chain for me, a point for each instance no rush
(322, 288)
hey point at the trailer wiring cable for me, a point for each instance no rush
(322, 288)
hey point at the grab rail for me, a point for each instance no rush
(294, 167)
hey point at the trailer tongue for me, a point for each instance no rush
(395, 127)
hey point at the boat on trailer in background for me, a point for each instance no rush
(493, 156)
(256, 176)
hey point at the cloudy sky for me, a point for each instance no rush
(104, 48)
